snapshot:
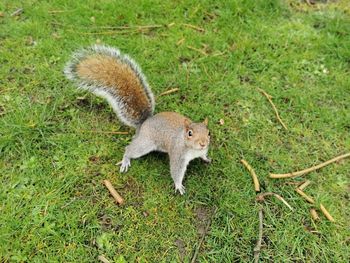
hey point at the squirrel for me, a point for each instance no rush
(114, 76)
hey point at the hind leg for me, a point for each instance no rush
(137, 148)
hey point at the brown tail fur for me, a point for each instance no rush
(115, 77)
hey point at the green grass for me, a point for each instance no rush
(53, 205)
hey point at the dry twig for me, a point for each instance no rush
(314, 214)
(103, 259)
(122, 30)
(326, 213)
(261, 197)
(293, 183)
(304, 185)
(180, 42)
(268, 96)
(127, 27)
(311, 169)
(113, 192)
(200, 242)
(105, 32)
(199, 29)
(168, 92)
(58, 11)
(202, 239)
(198, 50)
(150, 26)
(218, 53)
(257, 248)
(252, 172)
(305, 196)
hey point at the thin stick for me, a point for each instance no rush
(305, 196)
(202, 239)
(132, 29)
(103, 259)
(58, 11)
(314, 214)
(273, 106)
(257, 248)
(149, 27)
(304, 185)
(168, 92)
(112, 27)
(198, 50)
(308, 170)
(252, 172)
(294, 183)
(180, 42)
(326, 213)
(218, 53)
(129, 27)
(113, 192)
(200, 242)
(106, 132)
(105, 32)
(199, 29)
(261, 197)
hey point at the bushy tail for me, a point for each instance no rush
(108, 73)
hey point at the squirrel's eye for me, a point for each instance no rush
(190, 133)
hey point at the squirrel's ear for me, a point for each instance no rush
(187, 123)
(205, 121)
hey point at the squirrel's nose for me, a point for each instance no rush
(202, 144)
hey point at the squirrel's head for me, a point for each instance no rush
(197, 135)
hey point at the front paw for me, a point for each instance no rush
(180, 188)
(206, 159)
(124, 165)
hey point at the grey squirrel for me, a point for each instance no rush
(114, 76)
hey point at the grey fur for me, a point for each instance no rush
(157, 134)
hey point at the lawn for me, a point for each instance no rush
(56, 145)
